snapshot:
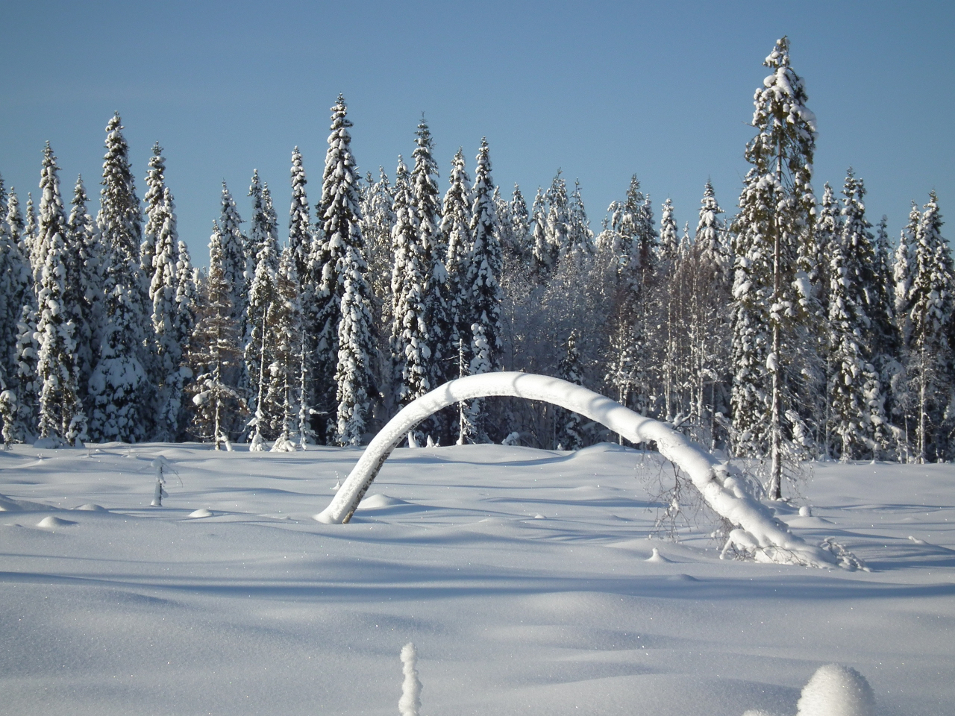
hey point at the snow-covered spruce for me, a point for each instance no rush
(776, 208)
(118, 385)
(764, 537)
(62, 419)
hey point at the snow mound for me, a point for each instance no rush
(202, 512)
(805, 511)
(379, 502)
(90, 507)
(8, 504)
(49, 443)
(836, 690)
(539, 516)
(52, 522)
(657, 557)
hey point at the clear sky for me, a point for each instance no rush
(601, 90)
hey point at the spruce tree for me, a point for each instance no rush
(377, 219)
(410, 333)
(118, 386)
(61, 416)
(354, 374)
(486, 259)
(84, 296)
(710, 232)
(424, 192)
(28, 236)
(543, 253)
(154, 198)
(28, 383)
(579, 236)
(776, 211)
(456, 227)
(483, 282)
(187, 309)
(259, 342)
(15, 286)
(15, 223)
(299, 221)
(166, 318)
(558, 216)
(343, 249)
(520, 226)
(569, 423)
(856, 395)
(928, 359)
(214, 357)
(853, 393)
(669, 239)
(234, 268)
(284, 388)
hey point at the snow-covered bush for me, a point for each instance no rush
(836, 690)
(410, 701)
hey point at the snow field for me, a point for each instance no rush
(256, 608)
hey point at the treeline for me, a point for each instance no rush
(789, 330)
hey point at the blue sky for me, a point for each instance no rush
(601, 90)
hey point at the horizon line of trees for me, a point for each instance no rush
(791, 330)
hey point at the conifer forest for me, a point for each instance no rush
(787, 326)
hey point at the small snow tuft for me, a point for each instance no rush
(657, 557)
(90, 507)
(836, 690)
(203, 512)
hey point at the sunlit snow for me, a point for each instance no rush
(230, 599)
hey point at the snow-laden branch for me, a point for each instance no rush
(758, 532)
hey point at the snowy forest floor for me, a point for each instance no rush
(521, 575)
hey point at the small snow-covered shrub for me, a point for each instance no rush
(162, 467)
(410, 701)
(836, 690)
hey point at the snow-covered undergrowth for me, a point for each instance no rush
(524, 578)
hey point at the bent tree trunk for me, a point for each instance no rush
(762, 535)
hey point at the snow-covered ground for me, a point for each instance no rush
(522, 577)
